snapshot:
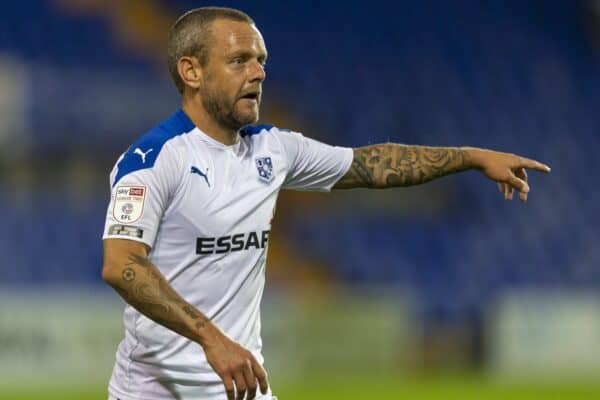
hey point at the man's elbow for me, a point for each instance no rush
(118, 254)
(110, 273)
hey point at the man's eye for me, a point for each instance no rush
(238, 61)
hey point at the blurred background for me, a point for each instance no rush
(443, 291)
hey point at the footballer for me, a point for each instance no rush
(187, 227)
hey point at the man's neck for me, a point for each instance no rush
(208, 125)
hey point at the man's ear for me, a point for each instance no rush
(190, 71)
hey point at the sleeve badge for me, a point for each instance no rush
(129, 203)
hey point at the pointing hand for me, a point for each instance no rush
(508, 170)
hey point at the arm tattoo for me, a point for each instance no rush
(145, 288)
(391, 165)
(128, 274)
(137, 259)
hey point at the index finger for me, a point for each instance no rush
(261, 375)
(532, 164)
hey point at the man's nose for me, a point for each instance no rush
(257, 72)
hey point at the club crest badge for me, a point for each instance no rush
(264, 165)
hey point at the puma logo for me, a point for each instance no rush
(140, 153)
(195, 170)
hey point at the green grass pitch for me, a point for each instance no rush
(355, 388)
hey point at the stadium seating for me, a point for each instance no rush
(498, 75)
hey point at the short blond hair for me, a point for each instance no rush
(190, 36)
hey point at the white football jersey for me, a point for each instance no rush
(205, 209)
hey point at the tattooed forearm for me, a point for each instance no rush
(143, 286)
(190, 311)
(390, 165)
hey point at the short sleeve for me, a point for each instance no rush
(312, 165)
(139, 198)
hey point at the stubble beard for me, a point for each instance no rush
(225, 113)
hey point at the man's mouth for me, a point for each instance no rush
(254, 95)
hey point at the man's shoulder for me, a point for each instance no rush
(175, 125)
(143, 153)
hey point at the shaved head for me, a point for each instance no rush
(191, 36)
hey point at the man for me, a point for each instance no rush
(192, 201)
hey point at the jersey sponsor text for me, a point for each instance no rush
(230, 243)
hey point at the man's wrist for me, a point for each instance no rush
(208, 335)
(473, 157)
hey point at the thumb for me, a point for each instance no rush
(518, 184)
